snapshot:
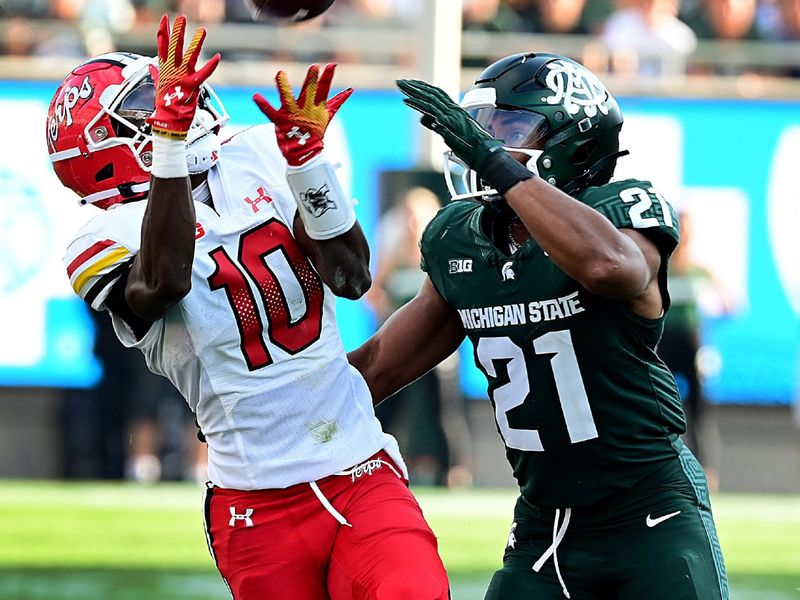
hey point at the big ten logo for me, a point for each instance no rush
(460, 265)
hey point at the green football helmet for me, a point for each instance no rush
(552, 110)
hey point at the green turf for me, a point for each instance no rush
(87, 541)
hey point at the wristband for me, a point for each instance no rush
(502, 171)
(324, 209)
(169, 158)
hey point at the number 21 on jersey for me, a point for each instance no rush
(567, 376)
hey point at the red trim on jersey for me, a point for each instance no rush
(84, 256)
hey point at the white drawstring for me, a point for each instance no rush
(328, 506)
(365, 468)
(558, 535)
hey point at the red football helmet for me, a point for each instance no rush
(97, 132)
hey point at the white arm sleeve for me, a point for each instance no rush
(324, 209)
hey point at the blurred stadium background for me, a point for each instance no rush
(712, 118)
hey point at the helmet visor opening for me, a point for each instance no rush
(135, 109)
(515, 128)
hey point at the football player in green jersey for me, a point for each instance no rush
(558, 278)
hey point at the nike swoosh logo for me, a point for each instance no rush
(651, 522)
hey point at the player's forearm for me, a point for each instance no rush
(342, 261)
(162, 271)
(384, 365)
(416, 338)
(580, 240)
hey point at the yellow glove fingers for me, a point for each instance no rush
(286, 92)
(193, 51)
(176, 43)
(309, 90)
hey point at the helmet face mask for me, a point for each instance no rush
(97, 132)
(552, 114)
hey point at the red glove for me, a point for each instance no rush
(300, 125)
(177, 81)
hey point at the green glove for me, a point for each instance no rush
(466, 138)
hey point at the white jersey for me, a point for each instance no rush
(254, 347)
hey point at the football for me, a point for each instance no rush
(287, 11)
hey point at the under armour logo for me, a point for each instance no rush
(302, 138)
(262, 197)
(248, 512)
(175, 95)
(512, 539)
(507, 271)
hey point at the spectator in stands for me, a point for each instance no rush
(556, 16)
(723, 19)
(202, 11)
(779, 20)
(67, 41)
(370, 12)
(491, 15)
(19, 38)
(149, 11)
(35, 9)
(99, 19)
(645, 37)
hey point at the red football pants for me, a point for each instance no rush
(284, 544)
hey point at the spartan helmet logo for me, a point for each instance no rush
(508, 272)
(576, 87)
(316, 201)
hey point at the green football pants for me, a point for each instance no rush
(655, 542)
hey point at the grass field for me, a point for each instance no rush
(117, 541)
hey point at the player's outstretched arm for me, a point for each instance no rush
(161, 273)
(580, 240)
(326, 224)
(416, 338)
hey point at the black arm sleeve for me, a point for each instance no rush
(116, 303)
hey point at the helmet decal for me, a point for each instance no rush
(99, 141)
(576, 88)
(62, 112)
(552, 113)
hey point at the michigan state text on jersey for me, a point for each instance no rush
(563, 365)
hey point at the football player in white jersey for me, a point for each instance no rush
(221, 263)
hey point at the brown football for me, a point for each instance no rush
(287, 11)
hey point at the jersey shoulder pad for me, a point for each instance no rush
(453, 216)
(636, 204)
(254, 147)
(102, 250)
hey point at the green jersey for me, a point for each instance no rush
(584, 405)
